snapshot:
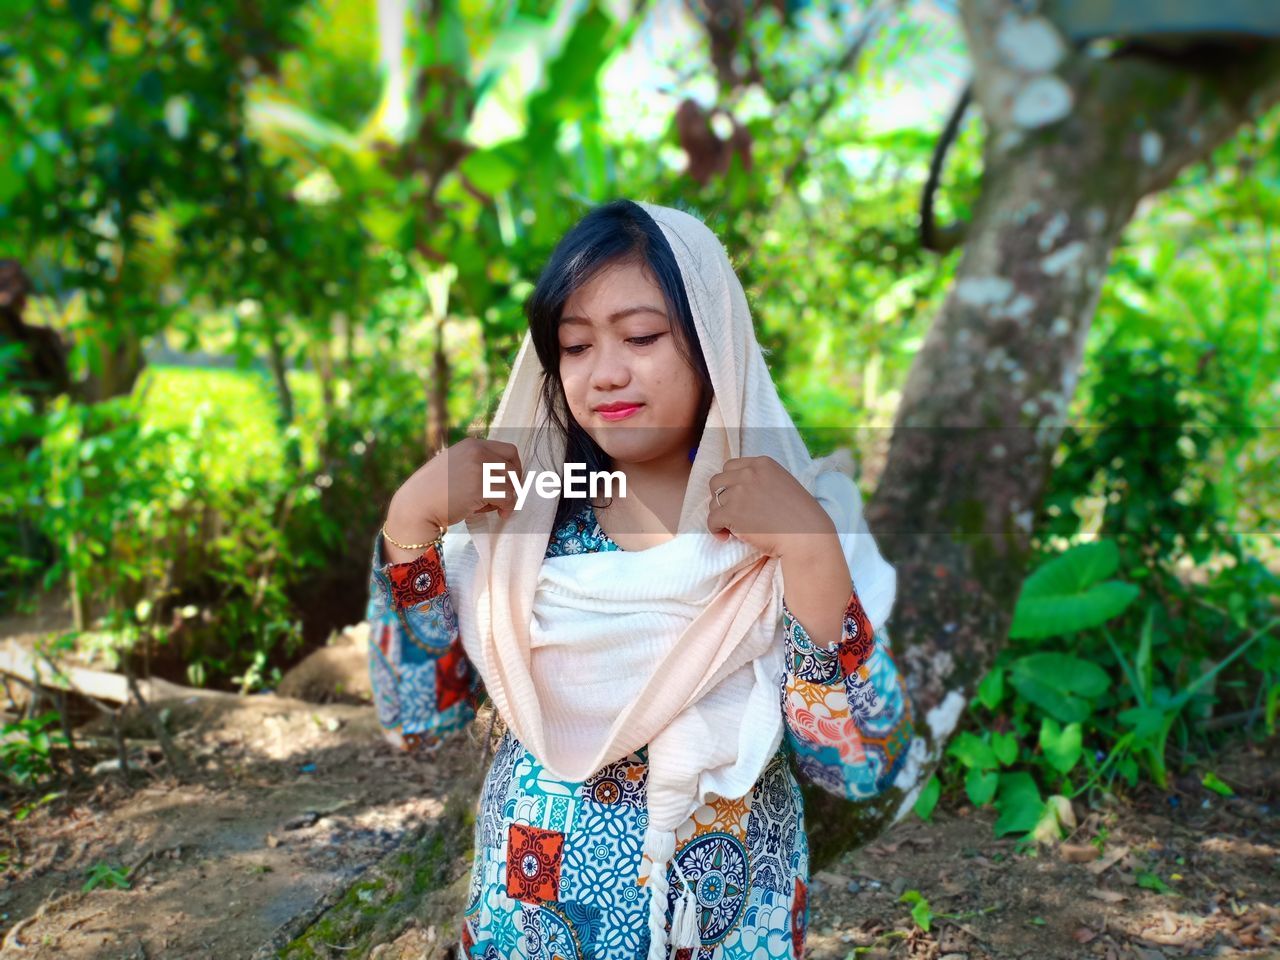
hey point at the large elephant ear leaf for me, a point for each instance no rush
(1061, 685)
(1071, 593)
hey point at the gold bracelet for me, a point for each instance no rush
(414, 546)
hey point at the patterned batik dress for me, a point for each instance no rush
(557, 869)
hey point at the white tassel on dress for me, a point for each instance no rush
(660, 847)
(684, 920)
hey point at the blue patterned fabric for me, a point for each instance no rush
(557, 864)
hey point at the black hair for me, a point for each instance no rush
(611, 234)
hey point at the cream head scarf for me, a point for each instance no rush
(679, 646)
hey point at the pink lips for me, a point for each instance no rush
(619, 413)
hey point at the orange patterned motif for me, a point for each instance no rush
(417, 580)
(859, 639)
(799, 918)
(453, 677)
(810, 718)
(533, 863)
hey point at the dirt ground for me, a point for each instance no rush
(1183, 873)
(294, 800)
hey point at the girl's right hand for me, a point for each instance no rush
(447, 488)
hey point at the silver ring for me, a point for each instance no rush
(720, 490)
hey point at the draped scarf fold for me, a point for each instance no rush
(679, 646)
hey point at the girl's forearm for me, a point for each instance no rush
(816, 585)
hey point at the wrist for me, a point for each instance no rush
(410, 525)
(396, 551)
(811, 547)
(435, 541)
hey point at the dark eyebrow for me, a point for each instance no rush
(619, 314)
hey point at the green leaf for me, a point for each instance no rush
(1074, 569)
(572, 78)
(921, 912)
(922, 915)
(450, 38)
(1066, 594)
(1061, 745)
(1018, 802)
(1151, 881)
(991, 689)
(1059, 684)
(384, 222)
(491, 170)
(1036, 617)
(928, 798)
(104, 874)
(1142, 664)
(1005, 746)
(1146, 722)
(972, 751)
(281, 122)
(1214, 783)
(980, 785)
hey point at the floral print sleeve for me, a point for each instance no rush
(848, 715)
(423, 684)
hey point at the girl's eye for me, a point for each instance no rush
(644, 341)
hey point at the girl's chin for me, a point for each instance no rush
(624, 453)
(636, 445)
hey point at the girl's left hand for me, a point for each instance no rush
(765, 506)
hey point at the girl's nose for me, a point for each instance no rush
(610, 368)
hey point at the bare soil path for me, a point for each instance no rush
(294, 801)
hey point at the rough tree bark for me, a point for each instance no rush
(1073, 143)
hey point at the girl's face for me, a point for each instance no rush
(618, 347)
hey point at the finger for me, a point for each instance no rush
(507, 497)
(507, 458)
(511, 458)
(726, 489)
(496, 453)
(718, 518)
(509, 453)
(499, 504)
(717, 526)
(720, 480)
(506, 452)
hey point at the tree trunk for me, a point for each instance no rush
(438, 393)
(1073, 143)
(41, 369)
(279, 363)
(322, 360)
